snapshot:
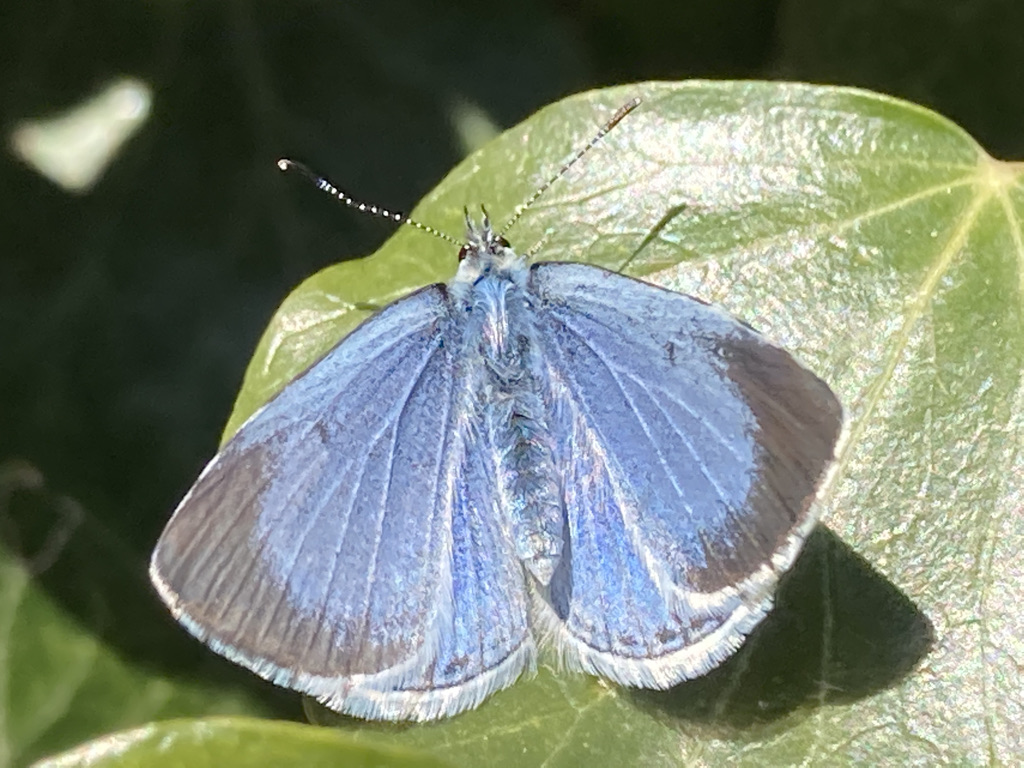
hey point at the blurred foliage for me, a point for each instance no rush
(129, 313)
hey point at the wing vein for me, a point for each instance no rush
(674, 398)
(254, 561)
(217, 547)
(639, 419)
(379, 526)
(329, 581)
(682, 437)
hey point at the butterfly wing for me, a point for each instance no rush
(343, 542)
(692, 450)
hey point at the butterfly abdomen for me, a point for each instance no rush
(528, 481)
(517, 422)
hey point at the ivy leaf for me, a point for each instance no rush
(238, 742)
(882, 245)
(879, 243)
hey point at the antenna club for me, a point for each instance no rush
(324, 185)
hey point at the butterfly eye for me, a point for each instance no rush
(463, 253)
(503, 242)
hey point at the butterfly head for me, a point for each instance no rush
(485, 253)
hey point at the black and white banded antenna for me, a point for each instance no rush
(324, 185)
(615, 119)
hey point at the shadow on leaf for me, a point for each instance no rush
(839, 632)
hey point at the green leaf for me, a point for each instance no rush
(239, 742)
(879, 243)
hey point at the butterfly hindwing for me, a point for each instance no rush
(691, 451)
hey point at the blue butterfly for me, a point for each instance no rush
(530, 456)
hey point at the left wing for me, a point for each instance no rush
(691, 451)
(345, 541)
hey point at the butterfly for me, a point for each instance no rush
(531, 456)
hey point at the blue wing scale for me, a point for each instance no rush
(691, 452)
(346, 550)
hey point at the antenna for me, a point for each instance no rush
(624, 110)
(325, 186)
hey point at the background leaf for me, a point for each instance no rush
(241, 742)
(127, 316)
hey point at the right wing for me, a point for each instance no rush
(344, 542)
(692, 450)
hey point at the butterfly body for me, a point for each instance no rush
(492, 328)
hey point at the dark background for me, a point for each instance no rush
(127, 314)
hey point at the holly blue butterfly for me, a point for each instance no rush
(548, 455)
